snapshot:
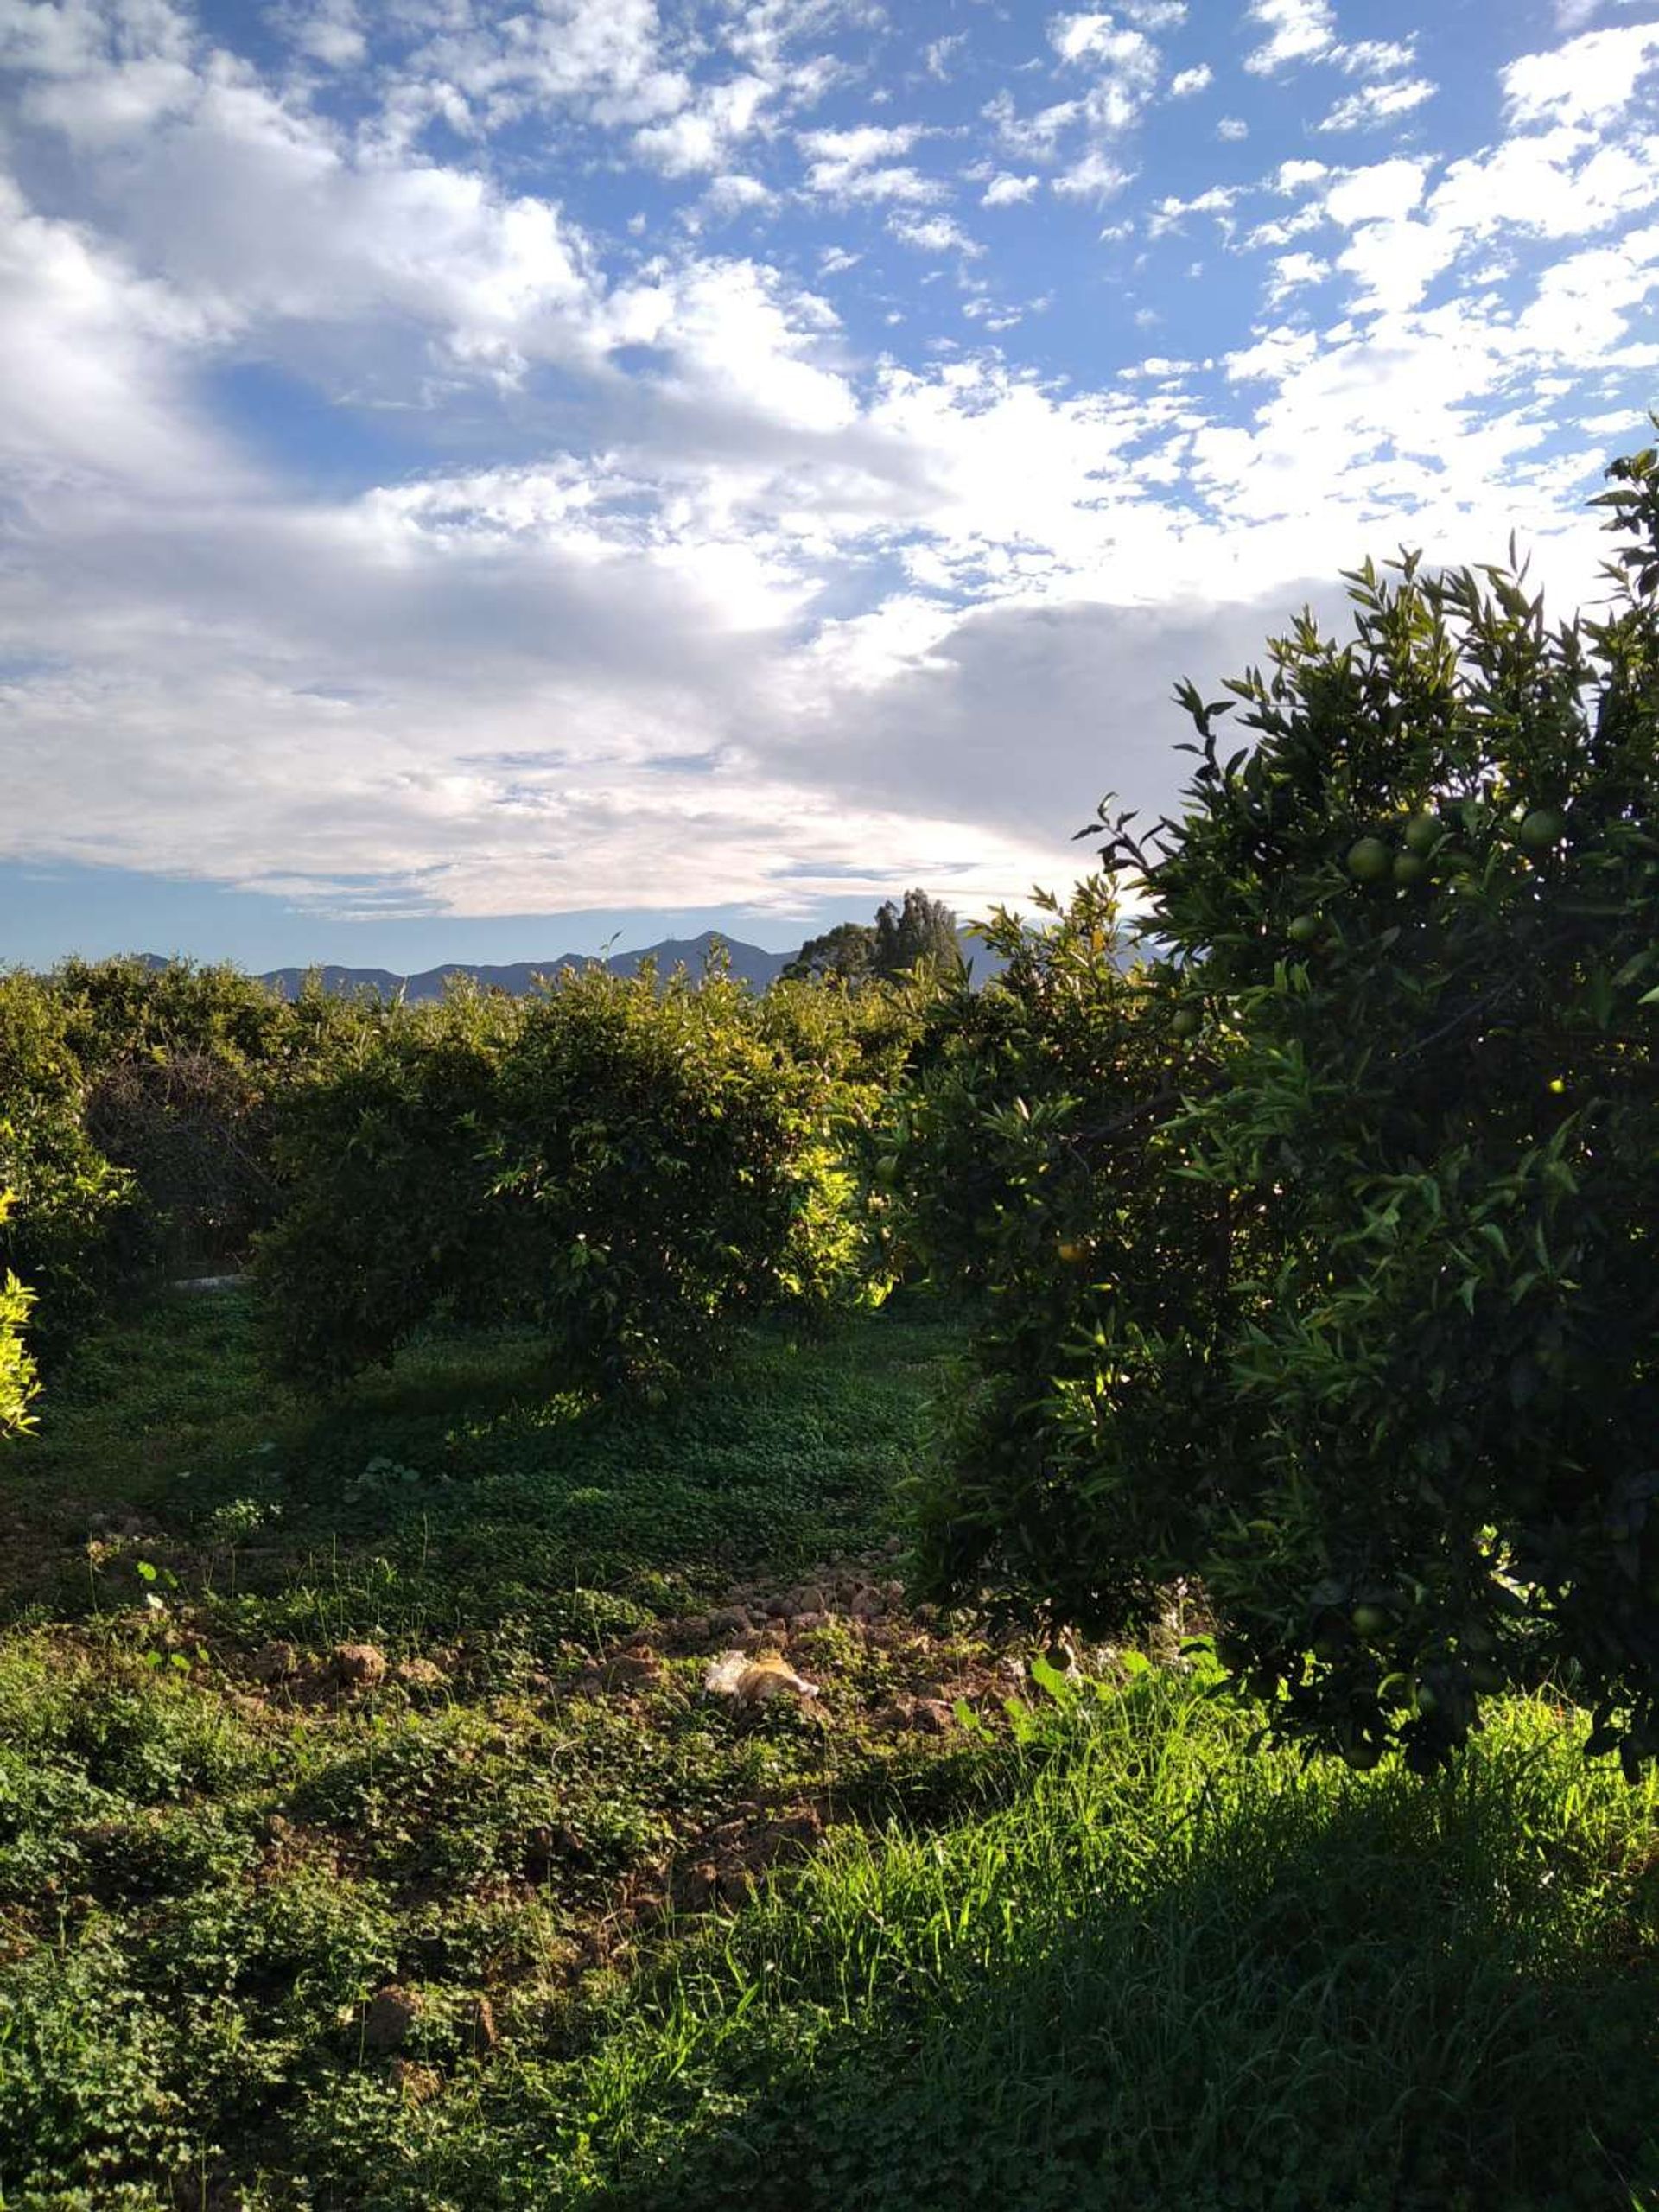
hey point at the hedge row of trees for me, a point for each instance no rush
(629, 1162)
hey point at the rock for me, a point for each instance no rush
(632, 1669)
(805, 1623)
(729, 1620)
(274, 1663)
(922, 1716)
(420, 1675)
(894, 1546)
(777, 1607)
(867, 1604)
(694, 1629)
(737, 1885)
(359, 1665)
(392, 2011)
(419, 2084)
(809, 1598)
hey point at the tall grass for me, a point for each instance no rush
(1160, 1975)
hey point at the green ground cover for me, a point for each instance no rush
(368, 1838)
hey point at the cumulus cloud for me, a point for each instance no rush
(1292, 31)
(1591, 80)
(1007, 190)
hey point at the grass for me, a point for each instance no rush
(520, 1917)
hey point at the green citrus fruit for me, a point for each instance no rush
(1185, 1021)
(1409, 868)
(1423, 833)
(1542, 829)
(1304, 929)
(1370, 1620)
(1362, 1757)
(1071, 1251)
(1369, 860)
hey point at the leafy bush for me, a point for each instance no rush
(1015, 1165)
(630, 1163)
(17, 1384)
(385, 1210)
(81, 1226)
(194, 1133)
(1404, 1430)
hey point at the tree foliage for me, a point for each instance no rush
(918, 939)
(1369, 1344)
(18, 1378)
(920, 936)
(845, 954)
(632, 1163)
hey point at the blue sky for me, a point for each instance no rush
(476, 482)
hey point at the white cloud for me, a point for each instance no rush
(1093, 176)
(736, 195)
(1291, 272)
(1376, 104)
(700, 136)
(1186, 82)
(1381, 193)
(1232, 127)
(1034, 137)
(1375, 57)
(858, 148)
(1297, 30)
(1589, 80)
(934, 234)
(1005, 190)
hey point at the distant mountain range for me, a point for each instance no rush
(756, 967)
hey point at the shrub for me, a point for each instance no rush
(1412, 948)
(681, 1163)
(17, 1384)
(630, 1162)
(386, 1208)
(1015, 1165)
(81, 1226)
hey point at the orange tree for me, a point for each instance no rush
(17, 1368)
(1015, 1164)
(1408, 1434)
(631, 1163)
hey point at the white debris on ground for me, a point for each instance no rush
(753, 1678)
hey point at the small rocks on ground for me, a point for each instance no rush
(359, 1665)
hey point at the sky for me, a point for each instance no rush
(480, 481)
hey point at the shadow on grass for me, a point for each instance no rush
(1302, 1992)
